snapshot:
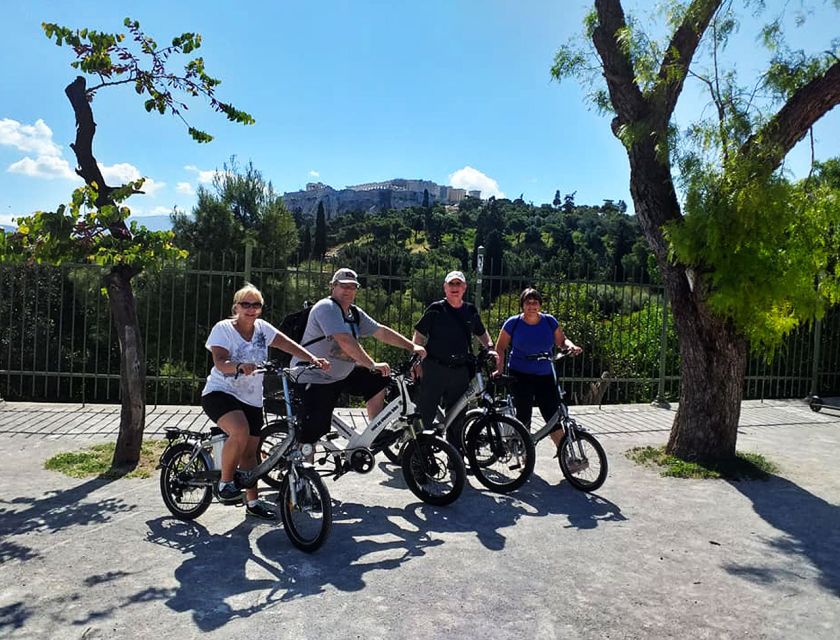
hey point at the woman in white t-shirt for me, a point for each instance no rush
(233, 394)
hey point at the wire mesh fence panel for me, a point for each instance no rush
(57, 340)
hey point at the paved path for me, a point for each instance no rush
(39, 420)
(647, 557)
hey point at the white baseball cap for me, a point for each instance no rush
(345, 276)
(455, 275)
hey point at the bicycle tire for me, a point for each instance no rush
(271, 434)
(431, 462)
(175, 473)
(311, 509)
(568, 458)
(501, 452)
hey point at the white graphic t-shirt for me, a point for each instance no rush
(248, 389)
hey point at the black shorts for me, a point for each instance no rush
(319, 399)
(218, 403)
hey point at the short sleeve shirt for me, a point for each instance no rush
(247, 389)
(449, 330)
(328, 319)
(528, 339)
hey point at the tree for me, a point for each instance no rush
(306, 242)
(557, 199)
(93, 228)
(569, 202)
(715, 254)
(241, 205)
(319, 248)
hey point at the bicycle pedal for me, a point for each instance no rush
(514, 467)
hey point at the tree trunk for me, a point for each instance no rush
(713, 355)
(132, 368)
(713, 365)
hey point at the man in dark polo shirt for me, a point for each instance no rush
(446, 330)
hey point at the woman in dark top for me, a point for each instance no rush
(528, 333)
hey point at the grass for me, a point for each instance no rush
(96, 461)
(744, 466)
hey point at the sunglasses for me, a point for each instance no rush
(250, 305)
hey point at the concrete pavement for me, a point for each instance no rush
(647, 557)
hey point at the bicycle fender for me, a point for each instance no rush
(167, 455)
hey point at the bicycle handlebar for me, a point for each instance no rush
(272, 367)
(548, 356)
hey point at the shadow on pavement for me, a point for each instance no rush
(50, 513)
(218, 582)
(810, 528)
(53, 512)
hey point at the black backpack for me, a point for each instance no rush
(294, 326)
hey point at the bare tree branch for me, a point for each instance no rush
(768, 146)
(680, 52)
(625, 95)
(88, 168)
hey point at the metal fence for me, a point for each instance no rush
(57, 342)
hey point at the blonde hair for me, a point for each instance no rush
(246, 289)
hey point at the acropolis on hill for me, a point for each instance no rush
(372, 196)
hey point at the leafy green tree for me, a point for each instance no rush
(306, 242)
(241, 206)
(740, 257)
(569, 202)
(557, 199)
(93, 227)
(319, 248)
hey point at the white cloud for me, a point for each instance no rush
(35, 139)
(204, 177)
(49, 161)
(185, 188)
(29, 138)
(44, 167)
(314, 174)
(123, 172)
(471, 179)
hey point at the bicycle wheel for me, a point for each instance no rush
(501, 452)
(583, 461)
(433, 470)
(186, 496)
(470, 418)
(456, 433)
(272, 434)
(307, 515)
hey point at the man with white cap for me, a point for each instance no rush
(446, 330)
(333, 330)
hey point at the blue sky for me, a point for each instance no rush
(455, 91)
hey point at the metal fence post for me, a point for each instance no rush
(816, 371)
(659, 400)
(249, 253)
(479, 270)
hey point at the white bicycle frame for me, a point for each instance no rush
(399, 409)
